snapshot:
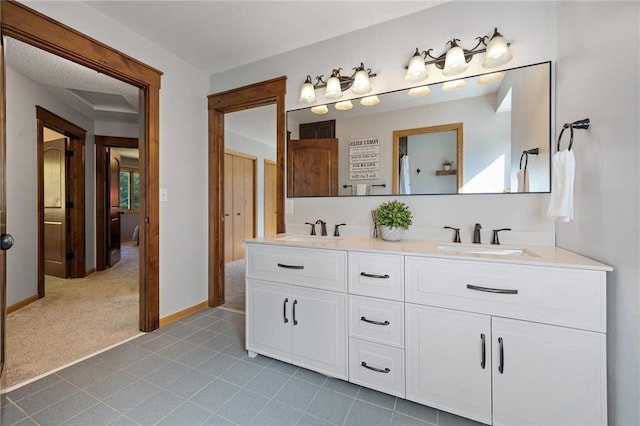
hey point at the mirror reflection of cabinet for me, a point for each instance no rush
(318, 130)
(425, 149)
(312, 167)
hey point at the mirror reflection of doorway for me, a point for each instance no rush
(249, 191)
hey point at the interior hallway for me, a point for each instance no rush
(76, 318)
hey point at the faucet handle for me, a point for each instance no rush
(495, 239)
(313, 227)
(336, 233)
(456, 235)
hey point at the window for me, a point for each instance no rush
(129, 189)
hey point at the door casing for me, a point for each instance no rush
(27, 25)
(260, 94)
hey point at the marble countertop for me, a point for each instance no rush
(526, 255)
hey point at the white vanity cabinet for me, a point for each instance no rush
(294, 323)
(470, 352)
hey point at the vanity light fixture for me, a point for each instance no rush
(416, 92)
(452, 85)
(320, 109)
(370, 100)
(490, 78)
(456, 59)
(344, 106)
(358, 82)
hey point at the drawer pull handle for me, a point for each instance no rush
(377, 370)
(374, 322)
(282, 265)
(284, 310)
(295, 321)
(501, 365)
(491, 290)
(483, 361)
(384, 277)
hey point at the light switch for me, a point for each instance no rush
(164, 194)
(288, 207)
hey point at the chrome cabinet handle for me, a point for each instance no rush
(284, 310)
(501, 365)
(295, 321)
(384, 277)
(491, 290)
(374, 322)
(484, 351)
(377, 370)
(283, 265)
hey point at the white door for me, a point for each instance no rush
(547, 375)
(268, 312)
(449, 360)
(320, 331)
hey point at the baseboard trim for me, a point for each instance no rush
(22, 303)
(89, 272)
(183, 313)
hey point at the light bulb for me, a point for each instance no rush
(320, 109)
(334, 90)
(344, 106)
(307, 91)
(453, 85)
(497, 51)
(417, 70)
(490, 78)
(370, 100)
(455, 63)
(419, 91)
(361, 84)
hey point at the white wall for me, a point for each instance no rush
(607, 210)
(23, 95)
(386, 48)
(183, 152)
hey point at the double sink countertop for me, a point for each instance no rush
(513, 254)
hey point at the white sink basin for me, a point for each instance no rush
(494, 251)
(310, 238)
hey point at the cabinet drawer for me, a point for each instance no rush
(376, 275)
(376, 320)
(323, 269)
(377, 367)
(562, 296)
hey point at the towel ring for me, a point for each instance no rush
(525, 154)
(580, 124)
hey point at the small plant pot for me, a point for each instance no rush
(391, 234)
(446, 167)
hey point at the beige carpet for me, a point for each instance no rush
(75, 318)
(234, 285)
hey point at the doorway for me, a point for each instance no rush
(268, 92)
(26, 25)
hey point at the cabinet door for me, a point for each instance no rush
(319, 331)
(550, 375)
(449, 360)
(268, 316)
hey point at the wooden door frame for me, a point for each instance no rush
(103, 142)
(264, 93)
(31, 27)
(76, 185)
(264, 191)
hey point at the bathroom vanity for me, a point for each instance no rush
(497, 334)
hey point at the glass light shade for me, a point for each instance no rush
(307, 93)
(416, 92)
(334, 91)
(455, 62)
(417, 70)
(320, 109)
(370, 100)
(344, 106)
(361, 84)
(497, 52)
(490, 78)
(453, 85)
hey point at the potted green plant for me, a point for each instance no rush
(392, 218)
(446, 164)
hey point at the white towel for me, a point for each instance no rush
(362, 189)
(523, 180)
(563, 170)
(405, 180)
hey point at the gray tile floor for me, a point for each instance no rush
(196, 372)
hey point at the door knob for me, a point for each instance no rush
(6, 241)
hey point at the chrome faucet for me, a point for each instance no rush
(323, 226)
(476, 234)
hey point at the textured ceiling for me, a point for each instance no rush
(216, 35)
(97, 96)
